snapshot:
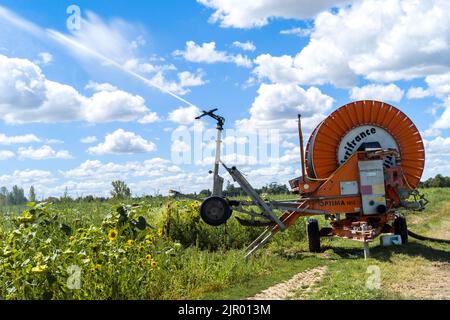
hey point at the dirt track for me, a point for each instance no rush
(301, 284)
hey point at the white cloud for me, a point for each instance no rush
(27, 177)
(188, 79)
(417, 93)
(378, 92)
(95, 86)
(277, 107)
(180, 146)
(150, 118)
(43, 153)
(440, 146)
(89, 140)
(361, 40)
(184, 115)
(438, 85)
(95, 168)
(250, 14)
(27, 138)
(123, 142)
(207, 53)
(300, 32)
(6, 154)
(27, 96)
(246, 46)
(117, 105)
(45, 58)
(444, 120)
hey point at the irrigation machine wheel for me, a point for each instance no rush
(313, 232)
(401, 228)
(215, 211)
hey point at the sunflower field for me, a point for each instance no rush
(146, 250)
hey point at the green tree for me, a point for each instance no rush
(120, 190)
(32, 194)
(4, 196)
(16, 196)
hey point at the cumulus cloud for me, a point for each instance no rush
(438, 146)
(89, 140)
(443, 121)
(250, 14)
(300, 32)
(27, 138)
(378, 92)
(184, 115)
(179, 146)
(27, 96)
(6, 154)
(43, 153)
(277, 107)
(95, 168)
(246, 46)
(45, 58)
(27, 177)
(207, 53)
(361, 40)
(123, 142)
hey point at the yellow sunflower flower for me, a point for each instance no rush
(154, 264)
(112, 235)
(39, 269)
(130, 242)
(148, 257)
(159, 232)
(97, 267)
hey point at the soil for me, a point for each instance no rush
(299, 285)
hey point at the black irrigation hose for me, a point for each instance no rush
(419, 237)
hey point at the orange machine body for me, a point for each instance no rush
(323, 187)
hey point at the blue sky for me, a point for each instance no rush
(71, 120)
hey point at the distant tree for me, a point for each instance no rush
(439, 181)
(120, 190)
(4, 196)
(205, 192)
(32, 194)
(16, 196)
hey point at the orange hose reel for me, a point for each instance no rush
(341, 133)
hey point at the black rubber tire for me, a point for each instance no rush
(313, 232)
(401, 228)
(215, 211)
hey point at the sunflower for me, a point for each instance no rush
(97, 267)
(154, 264)
(159, 232)
(130, 242)
(149, 258)
(39, 269)
(141, 248)
(112, 235)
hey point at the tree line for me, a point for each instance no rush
(16, 196)
(120, 191)
(439, 181)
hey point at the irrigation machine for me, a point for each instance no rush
(360, 167)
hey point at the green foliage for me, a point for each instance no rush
(439, 181)
(43, 246)
(14, 197)
(182, 223)
(32, 194)
(120, 190)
